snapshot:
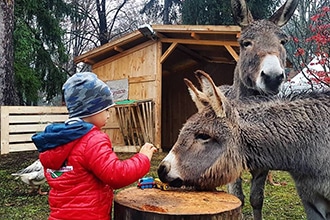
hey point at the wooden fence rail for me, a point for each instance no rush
(19, 123)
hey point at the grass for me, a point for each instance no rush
(281, 202)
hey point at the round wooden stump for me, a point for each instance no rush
(154, 204)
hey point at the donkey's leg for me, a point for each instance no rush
(313, 212)
(236, 189)
(316, 206)
(257, 192)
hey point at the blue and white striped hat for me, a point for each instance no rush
(86, 95)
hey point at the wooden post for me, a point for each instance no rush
(150, 204)
(4, 129)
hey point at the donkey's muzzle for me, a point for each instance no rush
(272, 82)
(163, 171)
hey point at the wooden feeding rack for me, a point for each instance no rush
(136, 120)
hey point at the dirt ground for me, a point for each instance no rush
(16, 161)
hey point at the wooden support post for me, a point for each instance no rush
(4, 129)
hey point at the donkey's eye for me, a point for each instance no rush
(283, 41)
(203, 136)
(246, 43)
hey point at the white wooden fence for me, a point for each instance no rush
(19, 123)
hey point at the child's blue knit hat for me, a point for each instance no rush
(86, 95)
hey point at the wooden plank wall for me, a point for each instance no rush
(177, 105)
(19, 123)
(138, 66)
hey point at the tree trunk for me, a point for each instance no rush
(149, 204)
(103, 35)
(8, 93)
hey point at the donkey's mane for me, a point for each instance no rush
(294, 96)
(305, 94)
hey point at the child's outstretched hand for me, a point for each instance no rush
(148, 150)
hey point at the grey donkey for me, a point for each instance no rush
(259, 72)
(223, 138)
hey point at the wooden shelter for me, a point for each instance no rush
(155, 60)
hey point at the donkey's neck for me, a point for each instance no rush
(240, 90)
(289, 136)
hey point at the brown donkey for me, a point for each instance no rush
(259, 72)
(289, 134)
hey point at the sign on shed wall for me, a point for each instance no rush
(119, 89)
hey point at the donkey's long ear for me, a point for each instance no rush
(205, 85)
(197, 96)
(216, 99)
(284, 13)
(241, 12)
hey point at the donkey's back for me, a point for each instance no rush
(294, 136)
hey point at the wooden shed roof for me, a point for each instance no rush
(211, 43)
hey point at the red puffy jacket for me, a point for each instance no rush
(86, 191)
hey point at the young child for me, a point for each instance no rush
(80, 166)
